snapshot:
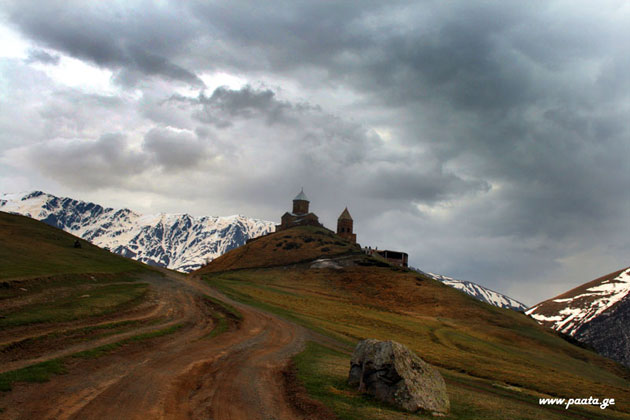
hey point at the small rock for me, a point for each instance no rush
(325, 263)
(392, 373)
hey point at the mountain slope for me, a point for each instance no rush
(596, 313)
(176, 241)
(31, 248)
(48, 276)
(479, 292)
(496, 362)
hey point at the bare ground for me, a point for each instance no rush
(185, 375)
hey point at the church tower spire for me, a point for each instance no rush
(344, 226)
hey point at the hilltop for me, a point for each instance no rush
(497, 362)
(291, 246)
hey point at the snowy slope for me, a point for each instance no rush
(479, 292)
(596, 313)
(177, 241)
(570, 311)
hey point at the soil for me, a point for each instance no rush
(240, 374)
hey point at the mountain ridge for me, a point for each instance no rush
(177, 241)
(478, 291)
(596, 313)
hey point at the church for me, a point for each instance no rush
(301, 216)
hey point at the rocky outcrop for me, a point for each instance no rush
(609, 333)
(392, 373)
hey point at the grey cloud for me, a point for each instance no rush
(226, 105)
(41, 56)
(104, 35)
(416, 183)
(175, 149)
(89, 164)
(508, 120)
(111, 161)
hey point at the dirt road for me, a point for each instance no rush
(185, 375)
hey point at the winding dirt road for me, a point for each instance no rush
(185, 375)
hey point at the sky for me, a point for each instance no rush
(489, 140)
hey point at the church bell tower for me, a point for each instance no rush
(344, 226)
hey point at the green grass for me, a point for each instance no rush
(448, 329)
(324, 371)
(108, 348)
(31, 248)
(42, 372)
(225, 307)
(76, 334)
(99, 300)
(228, 286)
(154, 334)
(221, 327)
(98, 351)
(318, 369)
(220, 315)
(33, 286)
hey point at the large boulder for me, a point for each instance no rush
(392, 373)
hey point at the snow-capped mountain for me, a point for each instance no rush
(479, 292)
(177, 241)
(596, 313)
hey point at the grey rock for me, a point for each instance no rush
(394, 374)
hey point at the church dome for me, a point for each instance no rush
(301, 196)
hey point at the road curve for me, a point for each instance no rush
(236, 375)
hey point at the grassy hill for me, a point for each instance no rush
(32, 248)
(282, 248)
(45, 279)
(496, 362)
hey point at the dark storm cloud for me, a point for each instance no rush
(420, 184)
(226, 105)
(41, 56)
(505, 122)
(138, 42)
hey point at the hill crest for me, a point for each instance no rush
(290, 246)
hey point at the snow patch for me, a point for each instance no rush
(585, 307)
(477, 291)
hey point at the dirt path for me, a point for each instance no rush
(236, 375)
